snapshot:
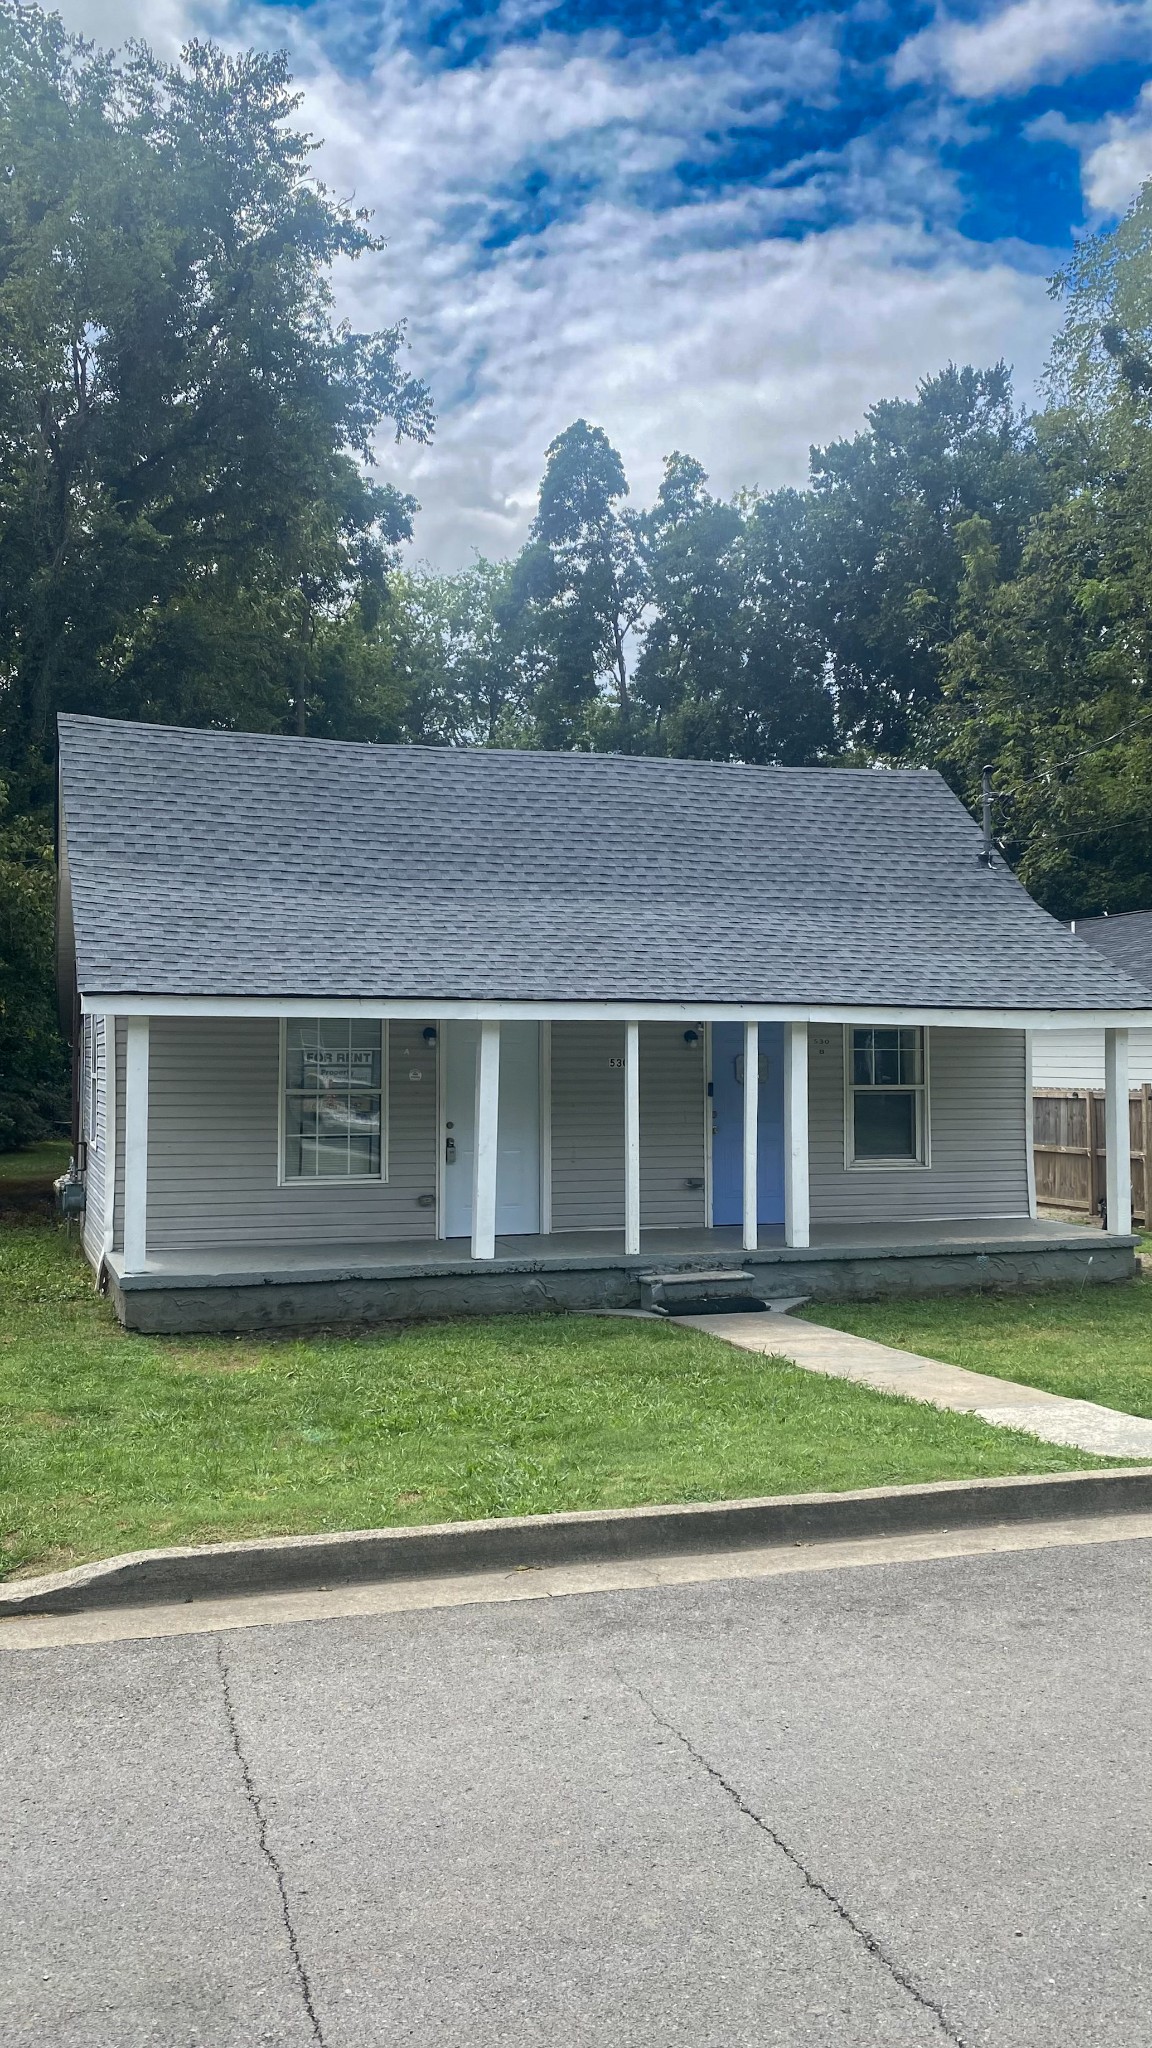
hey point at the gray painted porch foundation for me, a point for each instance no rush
(253, 1287)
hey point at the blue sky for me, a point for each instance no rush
(722, 227)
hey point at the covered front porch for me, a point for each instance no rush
(261, 1164)
(268, 1286)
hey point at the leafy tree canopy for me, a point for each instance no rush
(185, 431)
(578, 593)
(190, 530)
(1049, 673)
(882, 547)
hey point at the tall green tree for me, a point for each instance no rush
(788, 699)
(1047, 681)
(689, 675)
(1049, 675)
(463, 647)
(190, 526)
(34, 1080)
(184, 428)
(882, 554)
(732, 666)
(578, 594)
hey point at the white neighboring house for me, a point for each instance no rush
(1068, 1059)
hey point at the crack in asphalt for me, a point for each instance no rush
(868, 1940)
(266, 1850)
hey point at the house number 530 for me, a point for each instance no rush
(616, 1062)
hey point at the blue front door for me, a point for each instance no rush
(728, 1124)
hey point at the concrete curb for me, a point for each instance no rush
(282, 1562)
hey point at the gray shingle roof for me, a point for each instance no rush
(1125, 940)
(218, 863)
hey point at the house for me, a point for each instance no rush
(390, 1031)
(1074, 1058)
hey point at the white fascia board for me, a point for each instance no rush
(587, 1013)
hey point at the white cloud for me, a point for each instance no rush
(1119, 164)
(164, 24)
(1115, 154)
(713, 324)
(742, 358)
(1022, 44)
(701, 325)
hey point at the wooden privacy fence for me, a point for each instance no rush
(1068, 1141)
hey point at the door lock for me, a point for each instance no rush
(449, 1151)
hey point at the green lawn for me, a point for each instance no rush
(37, 1162)
(1091, 1342)
(111, 1442)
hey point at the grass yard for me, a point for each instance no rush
(1094, 1343)
(111, 1442)
(37, 1163)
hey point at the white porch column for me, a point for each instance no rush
(1030, 1122)
(484, 1158)
(1117, 1138)
(796, 1224)
(631, 1139)
(110, 1134)
(136, 1145)
(751, 1136)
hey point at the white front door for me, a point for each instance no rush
(518, 1138)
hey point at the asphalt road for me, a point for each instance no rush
(894, 1806)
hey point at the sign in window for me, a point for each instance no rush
(333, 1099)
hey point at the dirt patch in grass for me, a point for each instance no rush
(220, 1361)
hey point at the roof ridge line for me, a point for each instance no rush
(879, 772)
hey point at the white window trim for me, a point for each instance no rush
(331, 1180)
(923, 1090)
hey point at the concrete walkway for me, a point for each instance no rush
(1084, 1425)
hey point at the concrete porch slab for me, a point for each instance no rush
(239, 1287)
(230, 1263)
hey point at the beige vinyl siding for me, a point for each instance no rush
(672, 1128)
(588, 1127)
(95, 1173)
(1075, 1059)
(213, 1136)
(977, 1085)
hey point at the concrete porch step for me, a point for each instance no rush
(708, 1290)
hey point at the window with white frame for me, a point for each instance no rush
(333, 1095)
(887, 1096)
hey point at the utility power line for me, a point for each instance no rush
(1057, 767)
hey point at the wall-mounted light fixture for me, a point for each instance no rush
(429, 1034)
(691, 1038)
